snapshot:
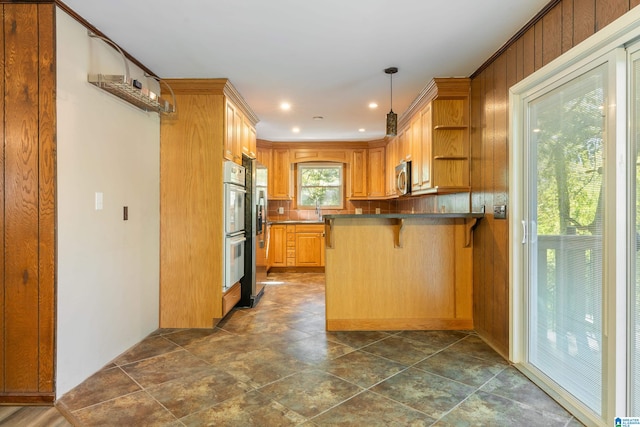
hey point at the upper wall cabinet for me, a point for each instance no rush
(240, 131)
(434, 136)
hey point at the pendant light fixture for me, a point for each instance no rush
(392, 118)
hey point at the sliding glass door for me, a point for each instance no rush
(565, 158)
(634, 237)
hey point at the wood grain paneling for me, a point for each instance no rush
(562, 25)
(608, 11)
(2, 198)
(46, 194)
(551, 34)
(21, 204)
(584, 19)
(27, 203)
(567, 25)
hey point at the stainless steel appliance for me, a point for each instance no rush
(256, 245)
(403, 178)
(234, 224)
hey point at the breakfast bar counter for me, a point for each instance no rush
(399, 271)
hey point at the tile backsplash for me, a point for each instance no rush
(448, 203)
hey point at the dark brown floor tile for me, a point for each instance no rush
(311, 392)
(436, 339)
(184, 396)
(312, 324)
(372, 410)
(189, 336)
(104, 385)
(427, 393)
(401, 349)
(149, 347)
(484, 409)
(260, 367)
(166, 367)
(461, 367)
(247, 410)
(513, 385)
(316, 349)
(130, 410)
(473, 345)
(357, 339)
(363, 369)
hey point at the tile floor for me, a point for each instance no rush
(275, 365)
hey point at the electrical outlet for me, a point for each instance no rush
(377, 210)
(280, 210)
(358, 211)
(500, 212)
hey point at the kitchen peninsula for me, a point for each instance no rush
(399, 271)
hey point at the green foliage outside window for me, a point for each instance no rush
(320, 185)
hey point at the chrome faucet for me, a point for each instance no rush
(318, 211)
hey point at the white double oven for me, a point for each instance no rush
(234, 218)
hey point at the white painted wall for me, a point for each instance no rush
(108, 269)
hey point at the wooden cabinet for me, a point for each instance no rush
(278, 245)
(415, 133)
(425, 158)
(309, 245)
(435, 137)
(297, 245)
(376, 172)
(450, 143)
(192, 146)
(358, 178)
(280, 177)
(28, 203)
(248, 139)
(240, 134)
(391, 163)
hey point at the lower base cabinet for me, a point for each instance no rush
(299, 245)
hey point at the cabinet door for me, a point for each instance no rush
(391, 161)
(230, 129)
(376, 172)
(308, 249)
(237, 142)
(280, 176)
(426, 147)
(358, 173)
(278, 246)
(416, 153)
(248, 139)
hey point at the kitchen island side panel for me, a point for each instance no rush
(373, 285)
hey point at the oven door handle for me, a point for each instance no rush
(237, 239)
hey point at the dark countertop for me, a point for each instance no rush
(407, 215)
(296, 221)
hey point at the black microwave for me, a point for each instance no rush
(403, 178)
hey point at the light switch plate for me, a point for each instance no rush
(500, 212)
(99, 201)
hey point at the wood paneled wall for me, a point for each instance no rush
(27, 202)
(559, 27)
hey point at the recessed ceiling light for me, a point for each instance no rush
(361, 130)
(285, 106)
(373, 105)
(295, 130)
